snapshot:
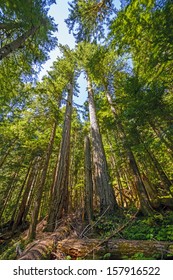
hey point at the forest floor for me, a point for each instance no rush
(126, 236)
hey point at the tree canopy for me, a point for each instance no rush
(102, 170)
(26, 31)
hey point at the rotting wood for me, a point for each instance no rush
(118, 249)
(41, 249)
(44, 247)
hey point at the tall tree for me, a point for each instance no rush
(106, 193)
(59, 195)
(87, 19)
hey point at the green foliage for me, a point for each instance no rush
(16, 19)
(141, 96)
(27, 117)
(107, 256)
(140, 256)
(87, 18)
(144, 30)
(9, 253)
(153, 228)
(106, 225)
(165, 233)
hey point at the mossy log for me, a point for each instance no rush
(42, 249)
(46, 246)
(118, 249)
(39, 250)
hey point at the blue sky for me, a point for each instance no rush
(60, 12)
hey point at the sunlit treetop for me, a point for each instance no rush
(88, 18)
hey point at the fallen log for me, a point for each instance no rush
(117, 249)
(42, 249)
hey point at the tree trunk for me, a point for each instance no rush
(32, 229)
(59, 199)
(16, 44)
(44, 247)
(115, 167)
(8, 194)
(106, 193)
(10, 25)
(145, 205)
(118, 249)
(160, 135)
(88, 181)
(152, 192)
(20, 193)
(165, 180)
(29, 186)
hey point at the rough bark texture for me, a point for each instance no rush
(114, 164)
(88, 181)
(42, 249)
(118, 249)
(106, 193)
(46, 245)
(39, 250)
(94, 249)
(59, 199)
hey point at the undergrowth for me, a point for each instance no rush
(8, 251)
(157, 227)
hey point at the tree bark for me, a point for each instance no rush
(115, 167)
(20, 193)
(16, 44)
(32, 229)
(88, 181)
(43, 247)
(152, 192)
(106, 193)
(59, 198)
(118, 249)
(29, 186)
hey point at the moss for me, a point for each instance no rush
(9, 252)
